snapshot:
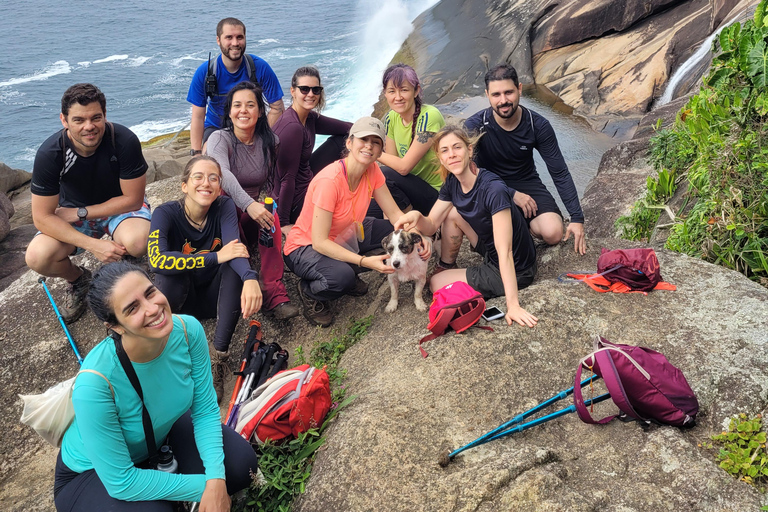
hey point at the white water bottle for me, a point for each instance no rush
(166, 461)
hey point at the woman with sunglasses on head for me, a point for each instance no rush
(408, 161)
(198, 260)
(98, 467)
(297, 127)
(325, 245)
(246, 148)
(478, 205)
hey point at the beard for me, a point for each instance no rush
(497, 110)
(228, 52)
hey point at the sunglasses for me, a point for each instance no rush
(316, 90)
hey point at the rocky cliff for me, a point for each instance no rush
(607, 59)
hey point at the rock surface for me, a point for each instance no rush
(382, 452)
(11, 179)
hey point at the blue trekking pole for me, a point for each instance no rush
(508, 428)
(61, 320)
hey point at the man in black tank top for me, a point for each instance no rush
(510, 134)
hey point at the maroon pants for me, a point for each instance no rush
(271, 271)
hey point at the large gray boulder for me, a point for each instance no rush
(382, 453)
(12, 178)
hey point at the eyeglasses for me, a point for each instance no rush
(316, 90)
(199, 177)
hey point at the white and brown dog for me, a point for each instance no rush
(404, 256)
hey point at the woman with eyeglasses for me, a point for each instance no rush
(199, 263)
(297, 128)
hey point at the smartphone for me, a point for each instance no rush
(492, 313)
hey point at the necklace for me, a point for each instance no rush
(197, 225)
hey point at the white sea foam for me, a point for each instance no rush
(111, 58)
(84, 64)
(361, 86)
(137, 61)
(148, 129)
(266, 41)
(60, 67)
(180, 60)
(28, 154)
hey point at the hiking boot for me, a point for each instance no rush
(284, 311)
(441, 265)
(220, 371)
(360, 288)
(74, 297)
(316, 311)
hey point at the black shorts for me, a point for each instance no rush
(486, 278)
(544, 201)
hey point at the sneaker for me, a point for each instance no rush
(359, 289)
(220, 371)
(316, 311)
(441, 265)
(74, 297)
(284, 311)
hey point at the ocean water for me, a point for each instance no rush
(142, 56)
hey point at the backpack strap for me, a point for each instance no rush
(578, 398)
(438, 327)
(250, 66)
(100, 375)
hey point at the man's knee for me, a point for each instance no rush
(133, 234)
(42, 252)
(548, 227)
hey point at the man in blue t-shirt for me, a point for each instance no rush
(231, 68)
(510, 134)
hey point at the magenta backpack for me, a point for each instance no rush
(457, 306)
(641, 382)
(637, 268)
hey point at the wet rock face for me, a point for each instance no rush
(383, 451)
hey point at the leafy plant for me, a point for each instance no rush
(742, 451)
(719, 146)
(287, 466)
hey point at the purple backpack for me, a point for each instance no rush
(637, 268)
(641, 382)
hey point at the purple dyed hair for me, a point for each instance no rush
(398, 74)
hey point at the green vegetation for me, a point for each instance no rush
(718, 145)
(742, 451)
(287, 466)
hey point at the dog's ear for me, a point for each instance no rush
(415, 238)
(385, 241)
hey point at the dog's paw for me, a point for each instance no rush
(391, 306)
(420, 305)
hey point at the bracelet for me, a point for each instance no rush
(361, 261)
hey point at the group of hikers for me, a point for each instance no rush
(334, 204)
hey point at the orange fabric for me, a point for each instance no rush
(330, 191)
(601, 284)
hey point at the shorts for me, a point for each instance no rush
(97, 228)
(545, 203)
(486, 278)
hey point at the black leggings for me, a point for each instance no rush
(84, 492)
(407, 191)
(192, 293)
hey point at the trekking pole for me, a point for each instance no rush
(520, 417)
(61, 320)
(253, 336)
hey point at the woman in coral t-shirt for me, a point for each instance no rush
(324, 247)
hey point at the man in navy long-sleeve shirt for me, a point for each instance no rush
(510, 134)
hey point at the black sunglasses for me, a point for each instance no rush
(316, 90)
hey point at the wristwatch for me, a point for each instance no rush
(82, 213)
(193, 152)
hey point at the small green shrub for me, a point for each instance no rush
(742, 450)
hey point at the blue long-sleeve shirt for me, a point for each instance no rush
(108, 435)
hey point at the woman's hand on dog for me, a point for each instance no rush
(521, 316)
(377, 263)
(425, 249)
(408, 220)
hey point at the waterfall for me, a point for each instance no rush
(693, 63)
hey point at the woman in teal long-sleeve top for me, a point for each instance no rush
(97, 466)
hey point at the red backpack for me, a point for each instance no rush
(291, 402)
(626, 271)
(457, 306)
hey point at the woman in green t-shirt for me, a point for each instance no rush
(408, 162)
